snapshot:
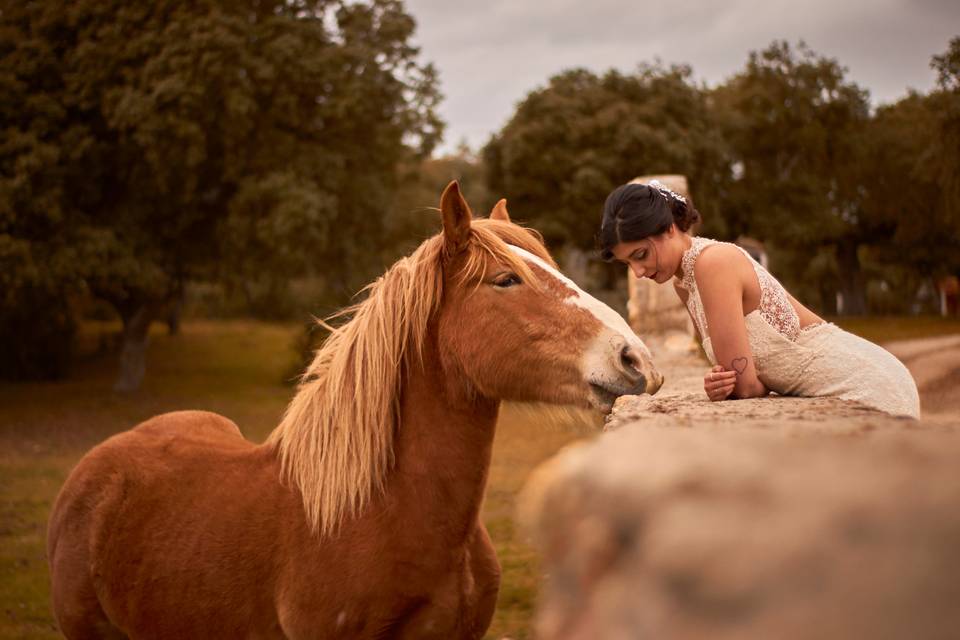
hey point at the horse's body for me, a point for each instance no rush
(190, 534)
(182, 528)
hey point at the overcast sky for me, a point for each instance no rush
(491, 53)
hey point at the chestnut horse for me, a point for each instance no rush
(359, 516)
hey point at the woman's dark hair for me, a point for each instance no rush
(636, 211)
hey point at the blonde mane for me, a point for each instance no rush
(335, 442)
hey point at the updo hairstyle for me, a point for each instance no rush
(636, 211)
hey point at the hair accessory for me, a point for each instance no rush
(665, 190)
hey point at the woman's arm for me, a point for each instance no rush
(723, 274)
(718, 382)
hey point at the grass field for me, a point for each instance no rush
(238, 369)
(889, 328)
(233, 368)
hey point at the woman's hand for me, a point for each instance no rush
(719, 383)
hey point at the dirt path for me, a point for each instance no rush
(935, 365)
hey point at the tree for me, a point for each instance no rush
(240, 141)
(944, 158)
(798, 128)
(911, 172)
(902, 190)
(570, 143)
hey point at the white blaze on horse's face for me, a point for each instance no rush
(617, 362)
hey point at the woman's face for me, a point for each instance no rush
(656, 257)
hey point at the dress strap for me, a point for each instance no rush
(689, 259)
(688, 282)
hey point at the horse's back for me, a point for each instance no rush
(129, 501)
(195, 425)
(101, 476)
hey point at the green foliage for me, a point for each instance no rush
(147, 144)
(945, 148)
(947, 66)
(910, 176)
(570, 143)
(820, 171)
(794, 123)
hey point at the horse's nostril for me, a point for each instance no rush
(628, 359)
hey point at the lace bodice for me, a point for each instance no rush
(774, 307)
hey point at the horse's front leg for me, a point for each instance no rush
(463, 601)
(485, 568)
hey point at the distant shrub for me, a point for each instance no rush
(36, 345)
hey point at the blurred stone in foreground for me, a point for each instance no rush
(776, 518)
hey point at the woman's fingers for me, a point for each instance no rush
(718, 383)
(720, 388)
(720, 394)
(719, 377)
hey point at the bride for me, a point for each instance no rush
(758, 337)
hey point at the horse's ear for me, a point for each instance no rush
(500, 211)
(456, 219)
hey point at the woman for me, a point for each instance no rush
(758, 337)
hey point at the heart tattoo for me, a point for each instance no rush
(739, 365)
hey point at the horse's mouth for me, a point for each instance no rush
(602, 398)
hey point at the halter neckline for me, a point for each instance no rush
(689, 258)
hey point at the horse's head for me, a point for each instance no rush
(516, 328)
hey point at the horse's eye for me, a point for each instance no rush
(507, 280)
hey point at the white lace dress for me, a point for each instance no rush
(819, 360)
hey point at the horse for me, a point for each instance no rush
(358, 517)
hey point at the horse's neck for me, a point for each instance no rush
(442, 448)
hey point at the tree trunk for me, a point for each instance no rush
(136, 328)
(828, 298)
(852, 284)
(174, 311)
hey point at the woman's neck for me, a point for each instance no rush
(685, 242)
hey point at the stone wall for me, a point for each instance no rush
(773, 518)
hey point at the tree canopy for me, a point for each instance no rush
(147, 144)
(570, 143)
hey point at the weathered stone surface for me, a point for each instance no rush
(655, 308)
(775, 518)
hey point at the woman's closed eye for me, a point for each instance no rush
(639, 255)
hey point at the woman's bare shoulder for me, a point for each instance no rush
(721, 263)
